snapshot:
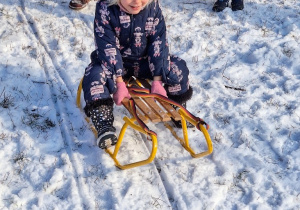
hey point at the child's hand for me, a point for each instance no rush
(158, 88)
(122, 92)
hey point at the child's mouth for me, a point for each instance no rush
(135, 7)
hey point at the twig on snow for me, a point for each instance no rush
(235, 88)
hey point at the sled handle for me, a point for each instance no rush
(78, 97)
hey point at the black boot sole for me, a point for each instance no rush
(107, 140)
(237, 7)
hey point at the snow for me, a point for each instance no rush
(245, 71)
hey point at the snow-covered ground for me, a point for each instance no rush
(245, 70)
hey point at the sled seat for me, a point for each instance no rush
(145, 107)
(150, 109)
(155, 111)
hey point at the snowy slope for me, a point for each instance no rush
(245, 70)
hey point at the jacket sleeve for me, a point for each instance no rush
(158, 49)
(108, 53)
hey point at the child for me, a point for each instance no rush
(130, 38)
(220, 5)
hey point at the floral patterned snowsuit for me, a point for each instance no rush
(131, 45)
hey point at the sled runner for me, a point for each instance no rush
(145, 106)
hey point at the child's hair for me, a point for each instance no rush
(112, 2)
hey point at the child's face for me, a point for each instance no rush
(133, 6)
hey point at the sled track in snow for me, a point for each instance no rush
(59, 105)
(170, 188)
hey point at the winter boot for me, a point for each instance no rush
(103, 118)
(182, 99)
(237, 5)
(78, 4)
(220, 5)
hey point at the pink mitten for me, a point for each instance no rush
(158, 88)
(122, 92)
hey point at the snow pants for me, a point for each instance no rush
(98, 82)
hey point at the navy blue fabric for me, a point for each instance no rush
(97, 83)
(131, 45)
